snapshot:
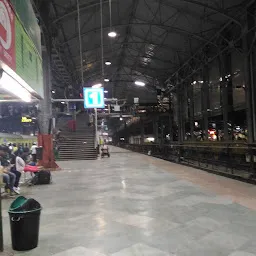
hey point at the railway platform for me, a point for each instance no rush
(131, 204)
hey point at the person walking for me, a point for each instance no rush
(33, 152)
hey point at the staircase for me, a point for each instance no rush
(78, 145)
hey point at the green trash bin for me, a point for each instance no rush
(24, 222)
(17, 203)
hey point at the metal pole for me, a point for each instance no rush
(205, 100)
(1, 227)
(102, 41)
(80, 42)
(142, 132)
(224, 95)
(82, 100)
(96, 127)
(191, 110)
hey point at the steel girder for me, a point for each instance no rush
(163, 46)
(220, 10)
(169, 29)
(149, 71)
(59, 60)
(199, 58)
(82, 7)
(130, 56)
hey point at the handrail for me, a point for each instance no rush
(233, 160)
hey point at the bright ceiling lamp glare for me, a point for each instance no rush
(112, 34)
(97, 86)
(9, 84)
(106, 80)
(105, 91)
(108, 63)
(53, 91)
(139, 83)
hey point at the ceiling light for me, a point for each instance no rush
(11, 85)
(53, 91)
(139, 83)
(121, 119)
(97, 86)
(63, 102)
(112, 34)
(106, 80)
(105, 91)
(108, 63)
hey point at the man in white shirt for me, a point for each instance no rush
(33, 152)
(17, 168)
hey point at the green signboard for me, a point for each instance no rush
(26, 14)
(20, 42)
(28, 61)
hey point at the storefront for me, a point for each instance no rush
(21, 76)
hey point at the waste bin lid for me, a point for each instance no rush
(24, 205)
(17, 203)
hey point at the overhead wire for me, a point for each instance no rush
(80, 42)
(102, 41)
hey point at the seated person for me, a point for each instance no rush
(18, 165)
(9, 180)
(104, 150)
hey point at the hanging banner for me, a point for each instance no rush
(7, 34)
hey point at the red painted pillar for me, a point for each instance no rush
(48, 160)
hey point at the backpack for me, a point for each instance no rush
(41, 178)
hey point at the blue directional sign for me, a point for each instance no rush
(94, 98)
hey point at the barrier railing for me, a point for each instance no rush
(232, 160)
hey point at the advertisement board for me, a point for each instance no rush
(7, 34)
(17, 49)
(28, 62)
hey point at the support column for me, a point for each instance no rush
(45, 104)
(249, 63)
(171, 119)
(142, 132)
(226, 92)
(180, 111)
(162, 131)
(45, 139)
(191, 110)
(155, 128)
(205, 101)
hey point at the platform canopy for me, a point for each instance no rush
(155, 38)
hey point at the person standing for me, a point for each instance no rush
(15, 148)
(33, 152)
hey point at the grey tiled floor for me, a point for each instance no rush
(125, 206)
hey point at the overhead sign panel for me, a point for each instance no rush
(94, 98)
